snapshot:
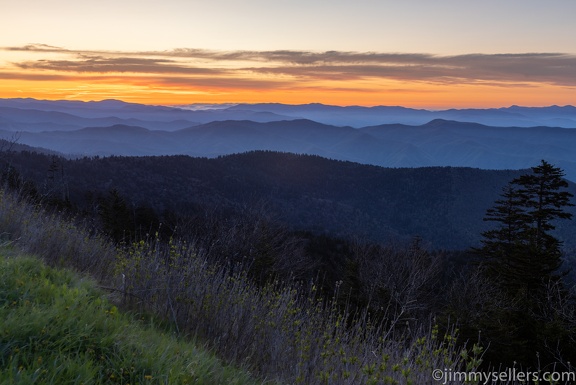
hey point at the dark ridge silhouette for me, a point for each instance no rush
(443, 205)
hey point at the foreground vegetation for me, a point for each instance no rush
(301, 308)
(275, 331)
(58, 328)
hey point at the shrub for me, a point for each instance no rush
(281, 331)
(277, 330)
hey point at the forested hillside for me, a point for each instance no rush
(395, 243)
(444, 206)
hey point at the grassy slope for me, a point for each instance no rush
(58, 328)
(274, 331)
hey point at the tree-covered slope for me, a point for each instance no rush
(443, 205)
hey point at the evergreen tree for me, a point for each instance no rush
(521, 253)
(521, 258)
(543, 197)
(116, 218)
(503, 244)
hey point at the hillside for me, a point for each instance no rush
(58, 327)
(437, 143)
(443, 205)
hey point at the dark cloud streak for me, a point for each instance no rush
(106, 65)
(550, 68)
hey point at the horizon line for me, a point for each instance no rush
(236, 103)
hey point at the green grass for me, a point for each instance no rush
(59, 328)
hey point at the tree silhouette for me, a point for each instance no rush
(522, 251)
(116, 217)
(522, 259)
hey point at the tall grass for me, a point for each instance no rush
(280, 331)
(57, 241)
(58, 329)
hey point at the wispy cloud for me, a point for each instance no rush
(36, 48)
(283, 71)
(10, 75)
(100, 64)
(550, 68)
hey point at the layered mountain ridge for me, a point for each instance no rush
(114, 127)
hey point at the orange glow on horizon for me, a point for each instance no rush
(415, 95)
(292, 77)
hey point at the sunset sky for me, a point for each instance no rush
(419, 53)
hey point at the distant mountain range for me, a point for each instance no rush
(353, 116)
(356, 116)
(432, 138)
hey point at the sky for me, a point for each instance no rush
(415, 53)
